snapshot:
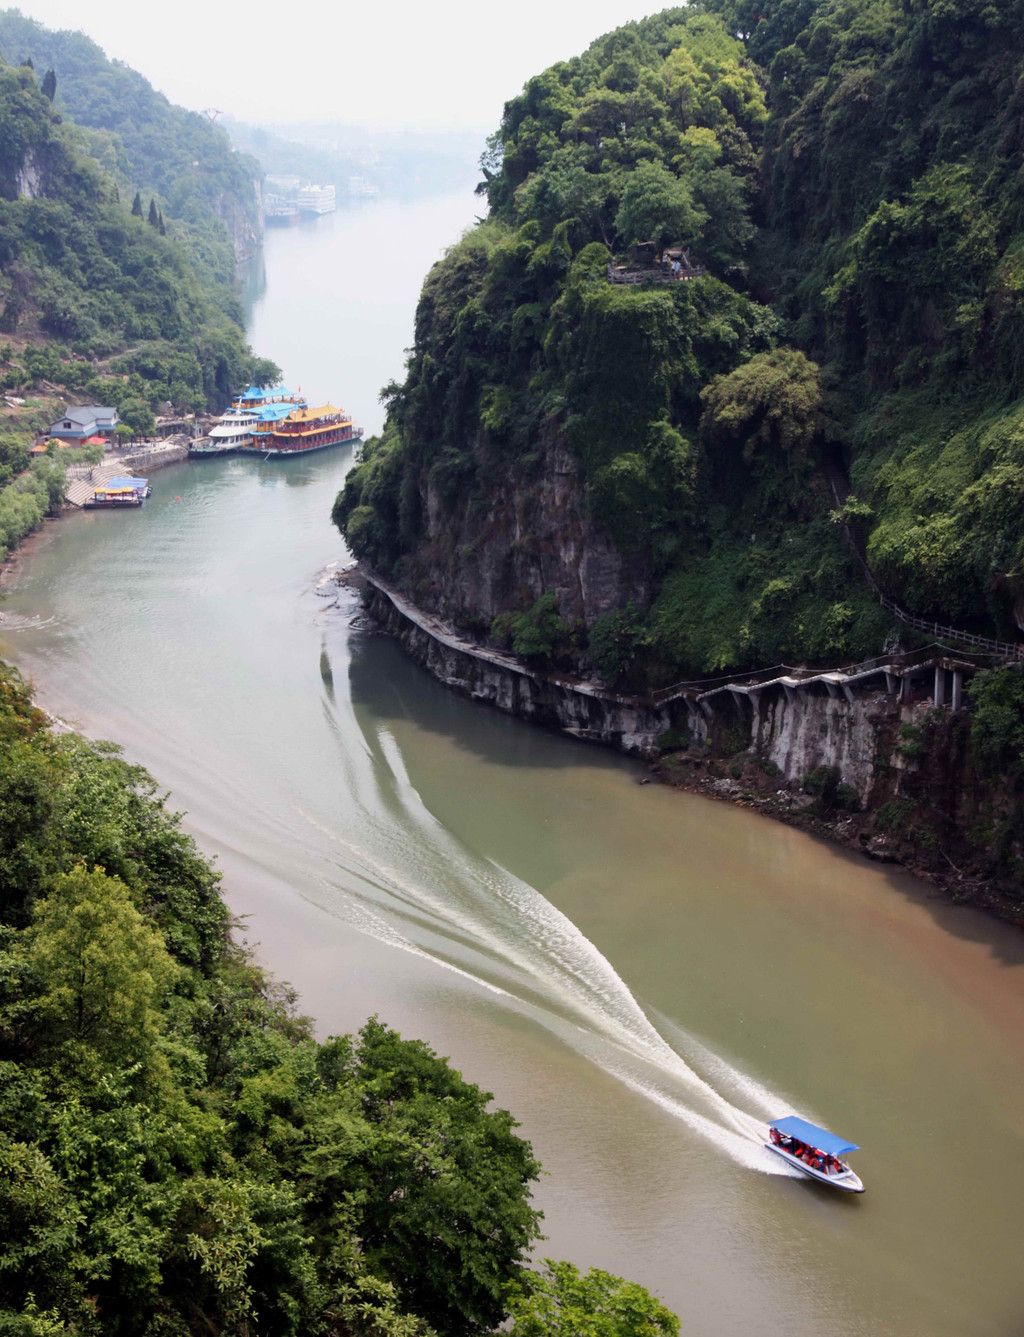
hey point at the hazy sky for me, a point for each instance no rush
(451, 63)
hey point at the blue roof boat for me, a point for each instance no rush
(815, 1151)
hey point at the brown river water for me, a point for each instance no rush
(643, 977)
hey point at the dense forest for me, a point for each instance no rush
(846, 178)
(180, 1155)
(204, 189)
(98, 302)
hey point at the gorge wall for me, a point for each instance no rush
(242, 215)
(529, 532)
(884, 770)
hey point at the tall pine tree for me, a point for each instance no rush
(137, 205)
(153, 219)
(49, 84)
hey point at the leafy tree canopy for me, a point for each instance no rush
(178, 1153)
(849, 175)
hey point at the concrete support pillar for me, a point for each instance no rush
(940, 685)
(890, 683)
(790, 693)
(833, 690)
(848, 692)
(906, 685)
(958, 689)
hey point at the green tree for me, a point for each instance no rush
(102, 973)
(154, 217)
(615, 640)
(137, 205)
(997, 724)
(453, 1247)
(561, 1301)
(774, 401)
(657, 206)
(48, 87)
(264, 372)
(136, 414)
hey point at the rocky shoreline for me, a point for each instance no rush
(890, 777)
(856, 832)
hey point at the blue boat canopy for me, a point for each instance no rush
(254, 392)
(814, 1136)
(136, 484)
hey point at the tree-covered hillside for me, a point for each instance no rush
(848, 174)
(207, 192)
(94, 300)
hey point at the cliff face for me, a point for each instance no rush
(243, 218)
(882, 769)
(850, 332)
(528, 533)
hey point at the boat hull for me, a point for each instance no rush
(849, 1182)
(268, 452)
(197, 452)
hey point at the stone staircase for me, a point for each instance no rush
(83, 481)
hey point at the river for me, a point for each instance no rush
(642, 976)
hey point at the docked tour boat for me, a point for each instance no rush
(285, 430)
(234, 429)
(815, 1151)
(117, 493)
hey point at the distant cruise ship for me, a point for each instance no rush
(315, 200)
(286, 198)
(287, 429)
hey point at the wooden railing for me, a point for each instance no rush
(899, 662)
(855, 537)
(636, 277)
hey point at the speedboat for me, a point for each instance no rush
(814, 1151)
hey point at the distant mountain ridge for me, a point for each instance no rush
(96, 303)
(147, 143)
(397, 163)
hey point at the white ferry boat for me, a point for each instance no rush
(815, 1151)
(232, 432)
(315, 200)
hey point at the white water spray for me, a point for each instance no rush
(410, 883)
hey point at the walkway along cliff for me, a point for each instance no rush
(877, 755)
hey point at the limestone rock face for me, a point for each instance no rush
(528, 533)
(243, 220)
(29, 180)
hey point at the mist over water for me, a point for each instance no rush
(643, 977)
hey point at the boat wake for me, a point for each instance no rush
(22, 622)
(410, 883)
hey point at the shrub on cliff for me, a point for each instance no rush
(997, 722)
(537, 635)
